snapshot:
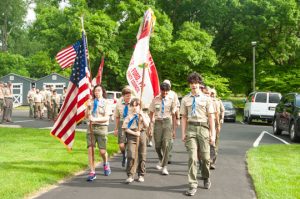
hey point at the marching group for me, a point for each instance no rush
(47, 98)
(200, 115)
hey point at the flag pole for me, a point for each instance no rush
(90, 105)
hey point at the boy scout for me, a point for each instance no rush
(30, 100)
(8, 101)
(163, 108)
(196, 126)
(174, 95)
(121, 113)
(135, 125)
(219, 118)
(1, 98)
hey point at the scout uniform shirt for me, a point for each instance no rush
(203, 107)
(121, 111)
(134, 124)
(30, 95)
(163, 108)
(1, 92)
(102, 110)
(7, 92)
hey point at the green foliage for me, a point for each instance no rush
(11, 63)
(220, 48)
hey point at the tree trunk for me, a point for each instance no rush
(4, 34)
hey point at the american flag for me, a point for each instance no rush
(66, 56)
(78, 93)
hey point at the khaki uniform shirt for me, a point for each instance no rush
(134, 125)
(1, 92)
(38, 97)
(203, 108)
(7, 92)
(48, 95)
(119, 110)
(55, 99)
(156, 107)
(43, 93)
(102, 110)
(30, 95)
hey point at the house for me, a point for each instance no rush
(56, 80)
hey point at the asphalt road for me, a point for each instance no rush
(229, 180)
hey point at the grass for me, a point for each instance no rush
(31, 159)
(275, 171)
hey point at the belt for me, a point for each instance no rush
(8, 97)
(95, 125)
(204, 124)
(162, 119)
(135, 130)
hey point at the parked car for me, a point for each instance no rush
(261, 106)
(112, 97)
(230, 112)
(287, 116)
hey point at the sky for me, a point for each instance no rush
(30, 17)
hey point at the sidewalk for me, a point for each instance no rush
(229, 180)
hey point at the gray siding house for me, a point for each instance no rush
(21, 86)
(56, 80)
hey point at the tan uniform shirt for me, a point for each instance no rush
(56, 99)
(103, 110)
(38, 97)
(43, 93)
(1, 93)
(169, 107)
(48, 95)
(134, 125)
(203, 108)
(7, 92)
(119, 110)
(30, 95)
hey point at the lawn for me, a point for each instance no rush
(275, 171)
(32, 159)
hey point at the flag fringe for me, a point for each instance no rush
(68, 149)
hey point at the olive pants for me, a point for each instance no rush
(197, 136)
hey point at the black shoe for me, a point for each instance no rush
(207, 183)
(170, 162)
(124, 161)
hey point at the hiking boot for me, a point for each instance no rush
(158, 166)
(129, 180)
(106, 169)
(207, 183)
(141, 179)
(164, 171)
(191, 191)
(91, 177)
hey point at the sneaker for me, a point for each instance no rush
(207, 183)
(106, 169)
(212, 166)
(191, 191)
(91, 177)
(150, 144)
(158, 166)
(124, 161)
(164, 171)
(129, 180)
(141, 179)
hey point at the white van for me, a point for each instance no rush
(261, 106)
(112, 97)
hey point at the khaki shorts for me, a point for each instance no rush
(121, 134)
(100, 136)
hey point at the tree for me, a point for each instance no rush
(12, 14)
(11, 63)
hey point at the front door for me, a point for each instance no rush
(17, 94)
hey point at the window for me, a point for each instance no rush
(228, 105)
(11, 78)
(298, 100)
(274, 98)
(261, 97)
(54, 77)
(250, 98)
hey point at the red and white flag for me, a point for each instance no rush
(78, 93)
(142, 58)
(98, 79)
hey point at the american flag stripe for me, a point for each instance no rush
(66, 57)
